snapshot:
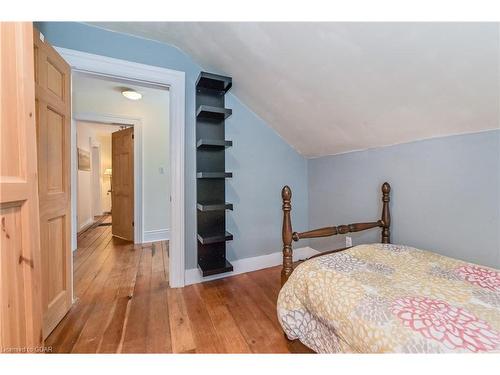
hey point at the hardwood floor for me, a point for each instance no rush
(124, 305)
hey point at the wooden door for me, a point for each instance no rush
(20, 266)
(53, 118)
(122, 195)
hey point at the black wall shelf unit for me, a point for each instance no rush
(211, 173)
(213, 143)
(214, 206)
(214, 175)
(215, 113)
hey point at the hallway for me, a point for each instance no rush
(116, 283)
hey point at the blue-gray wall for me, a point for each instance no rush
(260, 160)
(446, 191)
(445, 195)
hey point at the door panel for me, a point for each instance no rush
(52, 91)
(20, 266)
(55, 79)
(122, 194)
(55, 258)
(55, 153)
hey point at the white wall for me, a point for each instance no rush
(91, 95)
(105, 142)
(89, 135)
(84, 211)
(445, 195)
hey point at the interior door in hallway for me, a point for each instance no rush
(122, 195)
(53, 118)
(20, 307)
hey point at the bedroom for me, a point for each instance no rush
(287, 140)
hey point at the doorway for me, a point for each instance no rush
(175, 81)
(111, 156)
(133, 139)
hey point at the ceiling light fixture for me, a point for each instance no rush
(131, 94)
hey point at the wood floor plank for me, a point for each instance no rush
(85, 275)
(259, 297)
(158, 330)
(205, 337)
(112, 338)
(90, 236)
(136, 328)
(225, 326)
(91, 263)
(269, 281)
(92, 334)
(124, 305)
(83, 253)
(66, 334)
(260, 333)
(158, 335)
(180, 325)
(157, 257)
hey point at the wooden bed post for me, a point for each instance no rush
(386, 214)
(289, 236)
(286, 271)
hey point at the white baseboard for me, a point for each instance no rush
(193, 275)
(156, 235)
(86, 225)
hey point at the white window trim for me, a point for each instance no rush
(175, 80)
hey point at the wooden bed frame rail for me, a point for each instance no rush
(288, 235)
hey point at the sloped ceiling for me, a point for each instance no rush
(329, 88)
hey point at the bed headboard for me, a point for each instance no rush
(288, 235)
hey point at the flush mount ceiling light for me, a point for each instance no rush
(131, 94)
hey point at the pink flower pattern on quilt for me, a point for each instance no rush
(452, 326)
(480, 276)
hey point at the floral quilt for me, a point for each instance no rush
(391, 298)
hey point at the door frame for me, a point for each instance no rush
(175, 81)
(138, 167)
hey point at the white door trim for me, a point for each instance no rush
(138, 166)
(175, 80)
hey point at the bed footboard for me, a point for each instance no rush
(288, 235)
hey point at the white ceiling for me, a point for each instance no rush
(98, 128)
(329, 88)
(102, 95)
(110, 90)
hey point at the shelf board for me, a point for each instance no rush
(209, 268)
(214, 175)
(215, 82)
(213, 144)
(214, 206)
(213, 113)
(209, 238)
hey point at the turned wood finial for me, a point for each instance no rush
(286, 271)
(386, 214)
(286, 193)
(386, 188)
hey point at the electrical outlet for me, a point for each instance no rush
(348, 241)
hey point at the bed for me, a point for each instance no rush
(385, 297)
